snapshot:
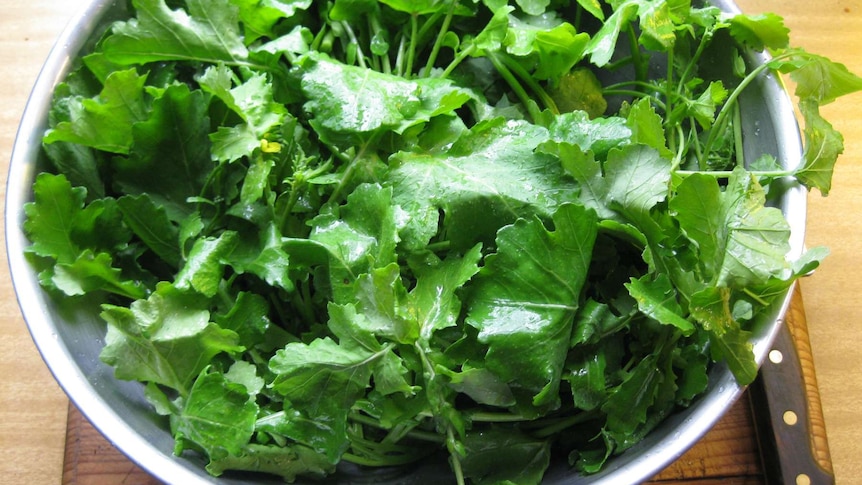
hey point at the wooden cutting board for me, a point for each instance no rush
(732, 452)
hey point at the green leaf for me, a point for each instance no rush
(488, 178)
(259, 17)
(288, 461)
(105, 122)
(323, 379)
(167, 339)
(823, 145)
(598, 135)
(741, 242)
(344, 100)
(208, 31)
(603, 43)
(627, 406)
(170, 157)
(554, 49)
(151, 224)
(434, 302)
(50, 218)
(361, 237)
(263, 254)
(218, 416)
(505, 456)
(760, 31)
(594, 7)
(526, 296)
(204, 267)
(92, 272)
(657, 299)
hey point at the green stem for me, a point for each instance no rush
(438, 43)
(516, 86)
(411, 52)
(727, 109)
(464, 54)
(723, 174)
(360, 56)
(561, 424)
(537, 88)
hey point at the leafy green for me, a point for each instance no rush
(369, 231)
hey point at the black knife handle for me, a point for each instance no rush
(786, 407)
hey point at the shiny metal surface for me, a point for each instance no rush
(70, 339)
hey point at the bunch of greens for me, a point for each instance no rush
(367, 231)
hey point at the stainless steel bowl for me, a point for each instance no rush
(70, 338)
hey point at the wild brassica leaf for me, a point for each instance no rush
(361, 231)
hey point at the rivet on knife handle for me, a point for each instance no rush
(786, 407)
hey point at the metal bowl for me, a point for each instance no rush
(71, 337)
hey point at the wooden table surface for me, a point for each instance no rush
(33, 409)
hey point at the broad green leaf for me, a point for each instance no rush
(344, 101)
(208, 31)
(218, 415)
(259, 17)
(598, 135)
(505, 456)
(533, 7)
(204, 267)
(554, 49)
(483, 386)
(360, 237)
(741, 242)
(603, 43)
(167, 339)
(594, 7)
(288, 462)
(658, 32)
(105, 122)
(263, 255)
(151, 224)
(488, 178)
(170, 157)
(657, 299)
(760, 31)
(434, 302)
(526, 296)
(248, 317)
(92, 272)
(627, 406)
(51, 216)
(324, 379)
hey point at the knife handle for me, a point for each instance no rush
(786, 405)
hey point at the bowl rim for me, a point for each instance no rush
(688, 426)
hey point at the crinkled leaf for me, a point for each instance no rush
(207, 31)
(218, 415)
(204, 266)
(344, 100)
(760, 31)
(363, 236)
(151, 224)
(105, 122)
(170, 157)
(489, 177)
(657, 298)
(526, 296)
(167, 339)
(505, 456)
